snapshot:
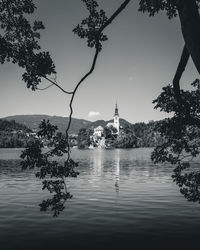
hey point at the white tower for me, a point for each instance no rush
(116, 119)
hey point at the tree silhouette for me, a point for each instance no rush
(19, 43)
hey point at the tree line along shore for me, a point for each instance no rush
(16, 135)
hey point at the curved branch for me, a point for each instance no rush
(45, 87)
(109, 21)
(79, 83)
(54, 83)
(179, 72)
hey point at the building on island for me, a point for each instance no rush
(98, 138)
(115, 122)
(98, 131)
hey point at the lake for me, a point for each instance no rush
(121, 200)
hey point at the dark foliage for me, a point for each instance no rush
(110, 132)
(90, 26)
(181, 133)
(52, 171)
(19, 41)
(83, 138)
(13, 134)
(154, 6)
(8, 126)
(126, 140)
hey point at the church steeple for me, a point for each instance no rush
(116, 119)
(116, 111)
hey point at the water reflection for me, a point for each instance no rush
(103, 167)
(97, 160)
(117, 170)
(119, 193)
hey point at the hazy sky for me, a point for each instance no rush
(139, 58)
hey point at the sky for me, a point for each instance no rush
(139, 58)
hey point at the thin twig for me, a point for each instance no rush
(57, 85)
(45, 87)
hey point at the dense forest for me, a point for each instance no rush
(130, 136)
(13, 134)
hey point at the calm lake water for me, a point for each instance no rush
(120, 201)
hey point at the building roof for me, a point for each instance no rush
(98, 128)
(116, 111)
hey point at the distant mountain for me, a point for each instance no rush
(148, 137)
(32, 122)
(104, 123)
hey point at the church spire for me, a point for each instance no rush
(116, 110)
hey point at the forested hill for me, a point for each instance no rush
(143, 131)
(13, 134)
(32, 122)
(9, 126)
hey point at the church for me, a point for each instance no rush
(98, 137)
(115, 122)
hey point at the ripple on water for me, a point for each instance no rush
(118, 196)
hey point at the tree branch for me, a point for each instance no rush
(97, 47)
(114, 15)
(45, 87)
(54, 83)
(179, 72)
(109, 21)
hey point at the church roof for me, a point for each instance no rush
(116, 110)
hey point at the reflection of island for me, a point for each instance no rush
(96, 163)
(117, 170)
(104, 165)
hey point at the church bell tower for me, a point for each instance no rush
(116, 119)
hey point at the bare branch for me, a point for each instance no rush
(45, 87)
(57, 85)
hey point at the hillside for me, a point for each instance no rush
(32, 122)
(141, 130)
(104, 123)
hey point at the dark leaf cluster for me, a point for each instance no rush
(188, 181)
(90, 27)
(181, 135)
(49, 168)
(155, 6)
(19, 41)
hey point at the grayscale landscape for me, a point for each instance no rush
(99, 124)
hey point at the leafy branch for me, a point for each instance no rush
(54, 172)
(182, 138)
